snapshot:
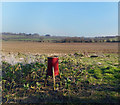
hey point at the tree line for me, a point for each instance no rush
(57, 39)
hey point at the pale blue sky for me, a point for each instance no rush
(61, 18)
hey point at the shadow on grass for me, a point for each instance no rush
(47, 96)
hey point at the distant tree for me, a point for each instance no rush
(48, 35)
(36, 34)
(108, 40)
(114, 41)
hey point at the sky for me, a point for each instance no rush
(61, 18)
(60, 0)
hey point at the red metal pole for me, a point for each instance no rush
(52, 69)
(53, 62)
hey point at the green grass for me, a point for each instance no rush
(83, 80)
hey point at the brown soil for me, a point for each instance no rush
(60, 48)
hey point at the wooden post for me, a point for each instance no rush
(53, 77)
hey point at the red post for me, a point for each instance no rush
(53, 62)
(52, 69)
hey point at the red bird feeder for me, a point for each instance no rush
(53, 68)
(53, 63)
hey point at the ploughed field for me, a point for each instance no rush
(90, 74)
(59, 48)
